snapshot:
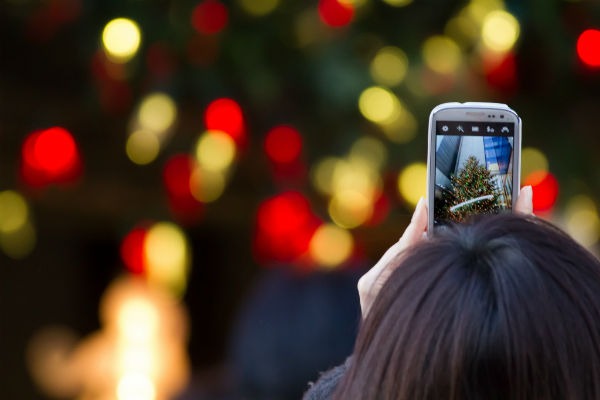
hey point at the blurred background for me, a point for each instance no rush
(189, 190)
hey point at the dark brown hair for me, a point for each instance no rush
(502, 307)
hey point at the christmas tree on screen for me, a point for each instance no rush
(472, 191)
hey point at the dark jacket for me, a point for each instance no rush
(324, 388)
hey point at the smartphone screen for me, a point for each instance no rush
(476, 159)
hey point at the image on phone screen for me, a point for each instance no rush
(473, 169)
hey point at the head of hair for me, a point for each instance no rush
(501, 307)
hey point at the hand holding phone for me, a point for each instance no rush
(474, 161)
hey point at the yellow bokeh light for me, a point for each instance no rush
(157, 112)
(441, 54)
(142, 147)
(582, 221)
(532, 160)
(167, 254)
(14, 212)
(137, 320)
(403, 129)
(500, 31)
(135, 386)
(355, 176)
(412, 182)
(215, 151)
(349, 209)
(207, 186)
(330, 245)
(322, 174)
(369, 151)
(121, 39)
(398, 3)
(477, 10)
(258, 8)
(463, 30)
(379, 105)
(19, 243)
(389, 66)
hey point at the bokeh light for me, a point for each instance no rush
(545, 190)
(322, 174)
(136, 386)
(331, 246)
(206, 185)
(215, 151)
(142, 147)
(17, 234)
(157, 112)
(412, 182)
(132, 250)
(258, 8)
(283, 144)
(47, 358)
(532, 160)
(389, 66)
(285, 225)
(210, 17)
(177, 174)
(14, 211)
(350, 208)
(582, 221)
(335, 13)
(167, 254)
(379, 105)
(121, 39)
(441, 54)
(500, 31)
(370, 151)
(588, 47)
(50, 156)
(226, 115)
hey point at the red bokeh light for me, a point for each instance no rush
(226, 115)
(177, 174)
(284, 227)
(210, 17)
(50, 156)
(545, 190)
(132, 250)
(501, 73)
(588, 47)
(335, 13)
(283, 144)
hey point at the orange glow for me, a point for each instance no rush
(336, 13)
(50, 156)
(545, 190)
(132, 250)
(283, 144)
(226, 115)
(210, 17)
(588, 47)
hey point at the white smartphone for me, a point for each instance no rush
(474, 161)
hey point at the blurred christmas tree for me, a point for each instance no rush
(472, 191)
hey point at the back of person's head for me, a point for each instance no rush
(503, 307)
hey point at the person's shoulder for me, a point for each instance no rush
(325, 386)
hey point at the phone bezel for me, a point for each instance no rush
(471, 112)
